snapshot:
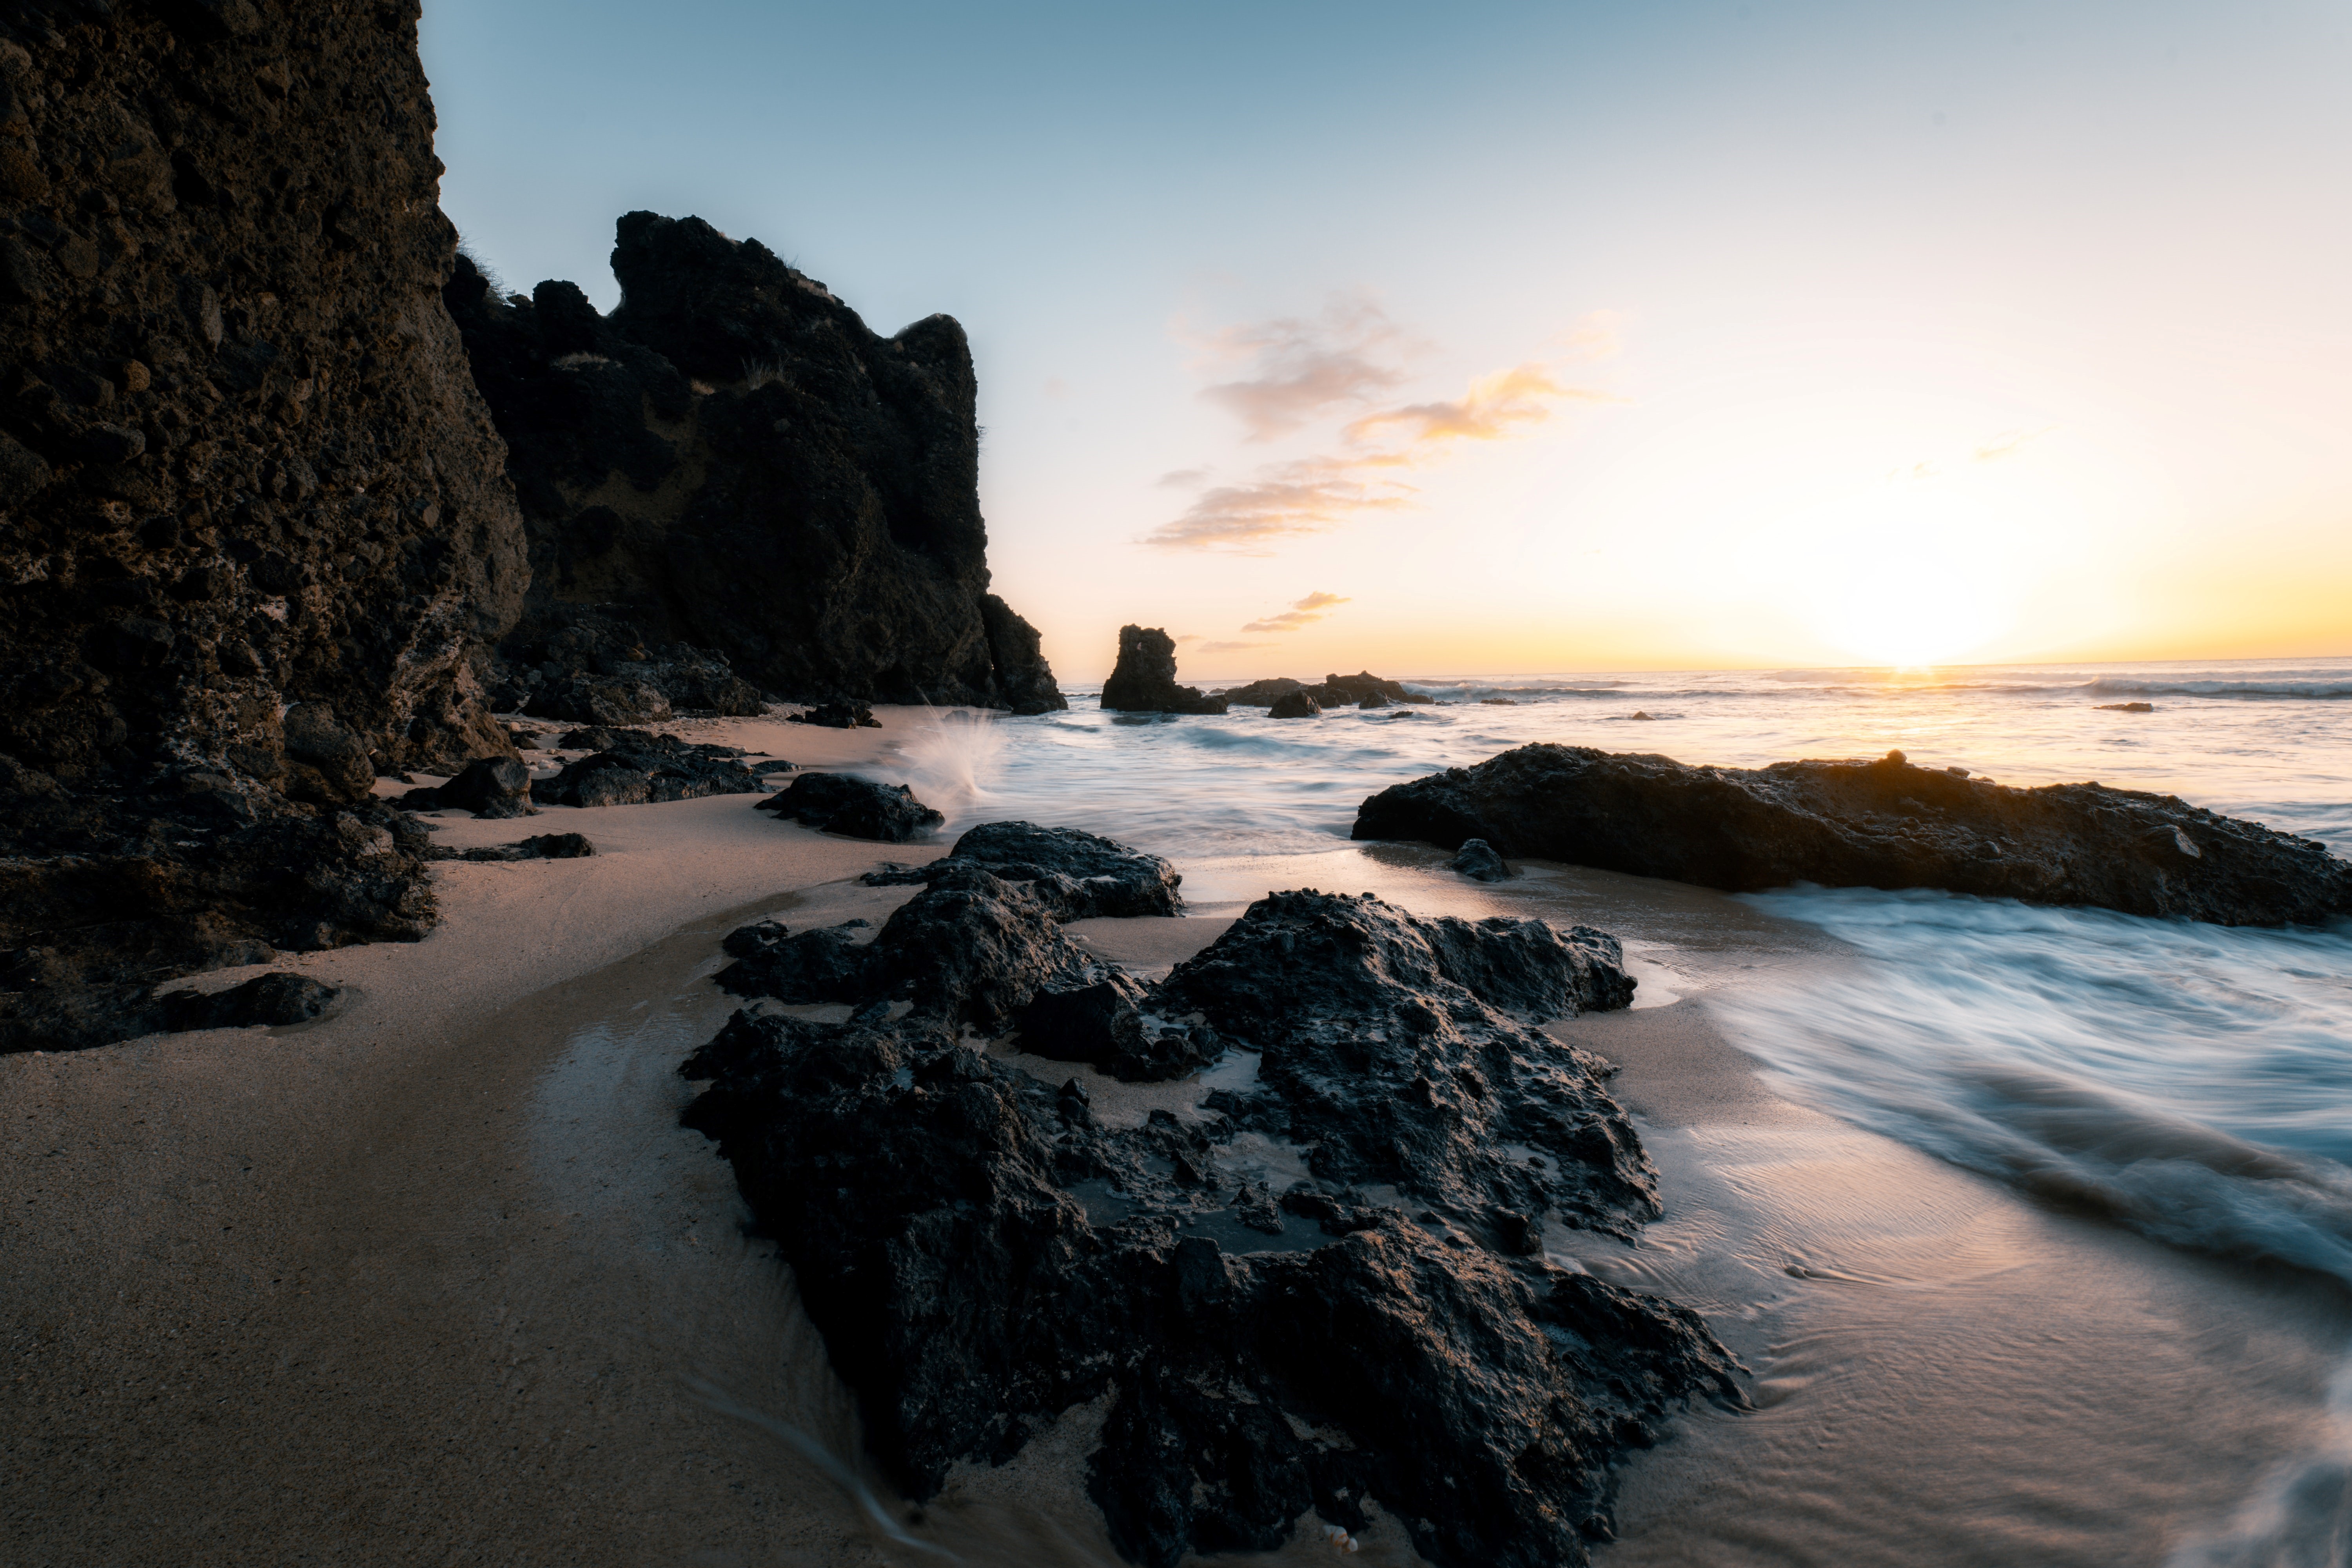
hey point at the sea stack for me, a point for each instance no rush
(1144, 681)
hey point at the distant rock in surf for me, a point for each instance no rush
(1294, 705)
(1261, 693)
(2127, 706)
(1883, 823)
(1144, 681)
(983, 1253)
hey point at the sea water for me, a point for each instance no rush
(2186, 1084)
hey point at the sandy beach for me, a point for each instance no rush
(440, 1279)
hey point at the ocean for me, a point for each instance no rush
(2155, 1112)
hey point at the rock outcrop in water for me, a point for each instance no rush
(1144, 680)
(985, 1255)
(242, 466)
(1883, 823)
(732, 462)
(1361, 689)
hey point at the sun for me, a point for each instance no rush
(1914, 579)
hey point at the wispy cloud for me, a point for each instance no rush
(2000, 446)
(1181, 478)
(1302, 369)
(1306, 496)
(1492, 409)
(1303, 611)
(1231, 647)
(1295, 368)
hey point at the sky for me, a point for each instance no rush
(1518, 338)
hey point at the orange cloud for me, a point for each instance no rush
(1303, 497)
(1490, 411)
(1303, 611)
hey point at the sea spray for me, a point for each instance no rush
(951, 759)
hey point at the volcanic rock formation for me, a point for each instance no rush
(243, 465)
(1144, 679)
(984, 1256)
(1883, 823)
(732, 462)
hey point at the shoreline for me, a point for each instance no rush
(440, 1276)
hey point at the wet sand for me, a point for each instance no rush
(440, 1279)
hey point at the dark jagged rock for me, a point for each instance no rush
(983, 1254)
(595, 667)
(837, 716)
(855, 807)
(218, 873)
(275, 999)
(1884, 823)
(1477, 860)
(1354, 690)
(1077, 876)
(242, 466)
(487, 787)
(731, 460)
(1294, 705)
(637, 767)
(542, 847)
(1144, 681)
(1261, 693)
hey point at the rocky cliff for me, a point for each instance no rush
(254, 517)
(732, 463)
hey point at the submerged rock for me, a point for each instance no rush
(1077, 876)
(1477, 860)
(983, 1254)
(853, 808)
(1144, 681)
(2127, 706)
(1884, 823)
(1294, 705)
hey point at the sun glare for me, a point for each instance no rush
(1914, 580)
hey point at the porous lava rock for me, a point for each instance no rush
(853, 808)
(592, 667)
(1294, 705)
(1144, 680)
(1477, 860)
(246, 483)
(487, 787)
(984, 1255)
(1075, 875)
(634, 767)
(731, 460)
(1884, 823)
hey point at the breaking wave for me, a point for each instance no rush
(2191, 1082)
